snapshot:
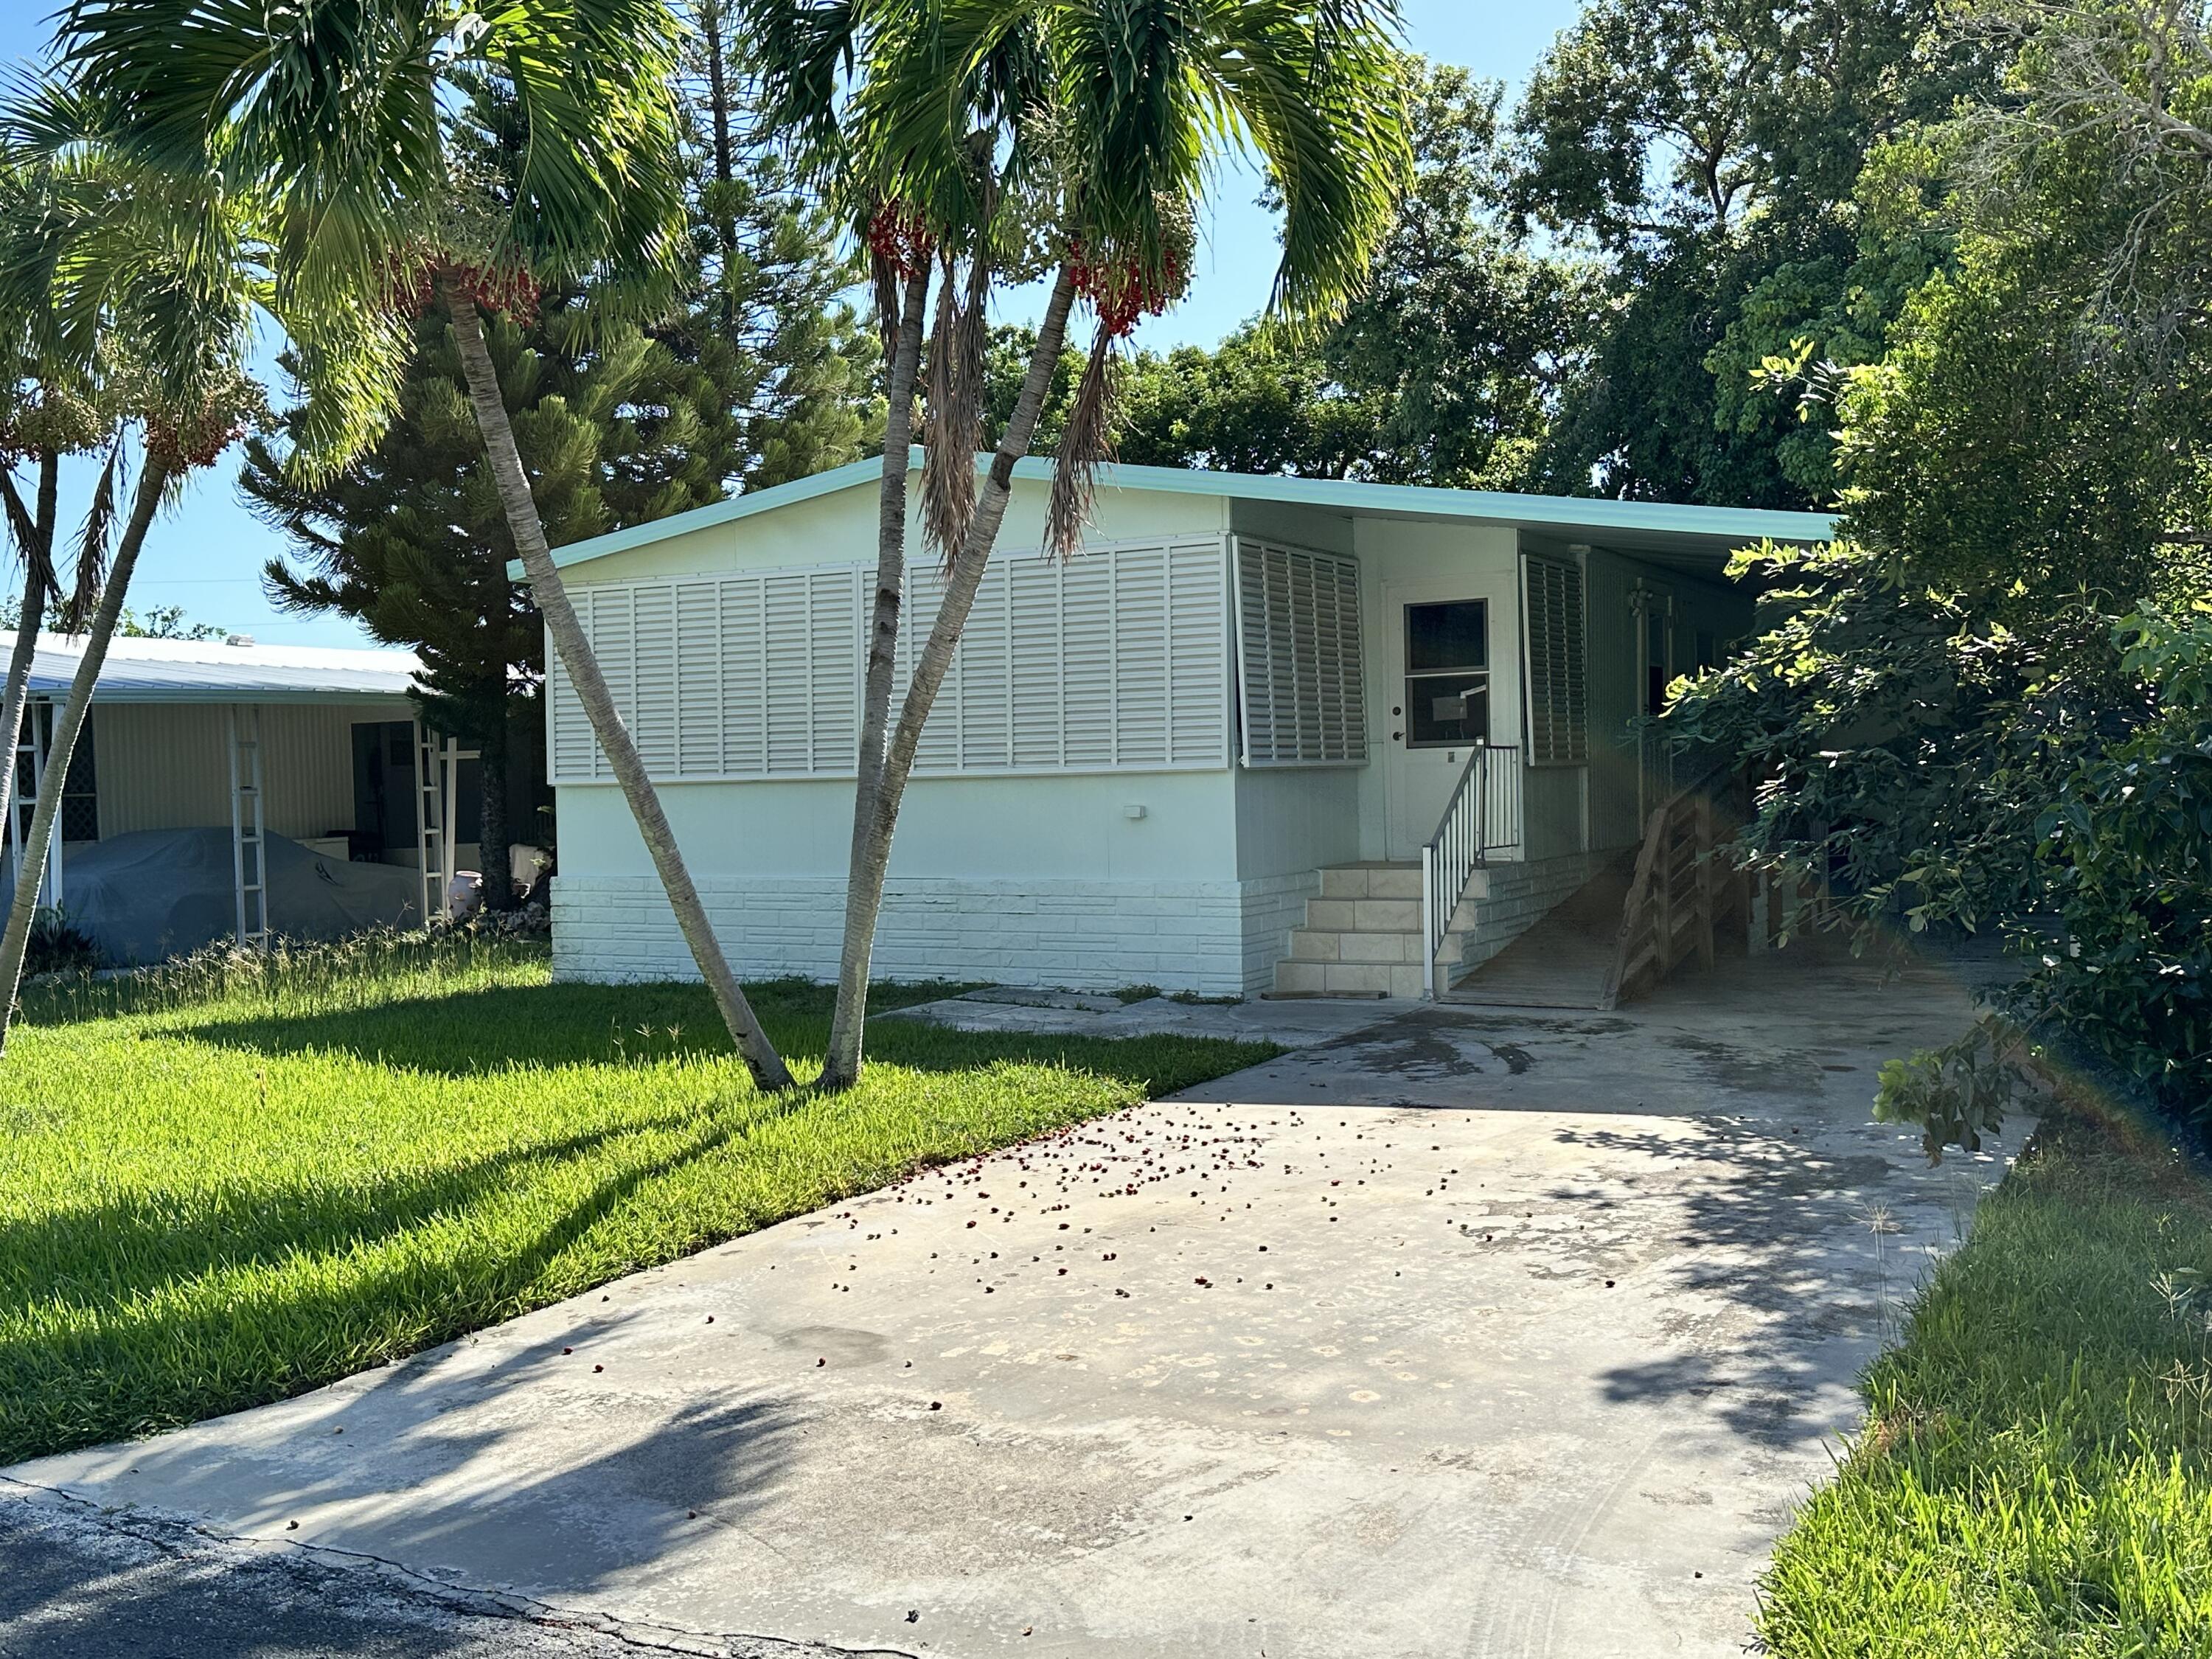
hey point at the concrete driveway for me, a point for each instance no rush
(1465, 1332)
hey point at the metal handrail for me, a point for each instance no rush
(1483, 816)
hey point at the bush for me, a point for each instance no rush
(58, 945)
(2126, 850)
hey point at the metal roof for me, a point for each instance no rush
(216, 670)
(1658, 527)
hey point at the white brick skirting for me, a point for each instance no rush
(1273, 906)
(1218, 938)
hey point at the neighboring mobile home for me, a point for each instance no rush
(1148, 754)
(213, 777)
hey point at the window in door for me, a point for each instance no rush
(1447, 674)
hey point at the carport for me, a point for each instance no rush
(259, 740)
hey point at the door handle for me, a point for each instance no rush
(1397, 737)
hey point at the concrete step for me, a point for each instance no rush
(1333, 945)
(1367, 915)
(1371, 881)
(1347, 979)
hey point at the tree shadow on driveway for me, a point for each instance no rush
(1795, 1252)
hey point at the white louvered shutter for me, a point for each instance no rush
(1559, 710)
(1197, 656)
(749, 676)
(744, 711)
(1033, 651)
(572, 752)
(1116, 657)
(1303, 698)
(1085, 688)
(650, 710)
(986, 717)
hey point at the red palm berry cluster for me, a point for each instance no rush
(1120, 291)
(898, 236)
(501, 290)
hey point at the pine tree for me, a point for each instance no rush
(762, 376)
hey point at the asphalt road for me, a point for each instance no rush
(76, 1583)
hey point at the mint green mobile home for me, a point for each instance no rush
(1260, 733)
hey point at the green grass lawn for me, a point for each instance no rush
(2036, 1478)
(219, 1189)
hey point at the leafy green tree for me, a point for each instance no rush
(1251, 404)
(1986, 707)
(770, 278)
(411, 539)
(1254, 403)
(1465, 332)
(1443, 367)
(1707, 151)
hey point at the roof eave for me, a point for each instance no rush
(1597, 516)
(240, 695)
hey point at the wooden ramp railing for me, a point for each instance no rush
(1681, 896)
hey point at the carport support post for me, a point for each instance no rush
(249, 840)
(32, 741)
(437, 784)
(54, 846)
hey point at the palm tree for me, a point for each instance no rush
(342, 118)
(48, 410)
(1078, 135)
(123, 289)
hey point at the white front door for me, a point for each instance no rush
(1443, 650)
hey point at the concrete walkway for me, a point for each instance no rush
(1451, 1332)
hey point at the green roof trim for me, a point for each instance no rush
(1599, 516)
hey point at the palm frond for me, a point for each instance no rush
(322, 137)
(1085, 442)
(95, 539)
(955, 427)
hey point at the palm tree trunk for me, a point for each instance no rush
(864, 896)
(840, 1068)
(34, 538)
(567, 635)
(153, 479)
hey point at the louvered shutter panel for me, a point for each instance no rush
(613, 641)
(1086, 685)
(650, 709)
(1303, 695)
(698, 679)
(1256, 699)
(986, 677)
(575, 752)
(745, 676)
(1140, 657)
(1558, 697)
(835, 687)
(1033, 651)
(787, 659)
(1198, 656)
(940, 749)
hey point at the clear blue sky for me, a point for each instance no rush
(207, 556)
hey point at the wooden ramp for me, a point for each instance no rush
(1562, 961)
